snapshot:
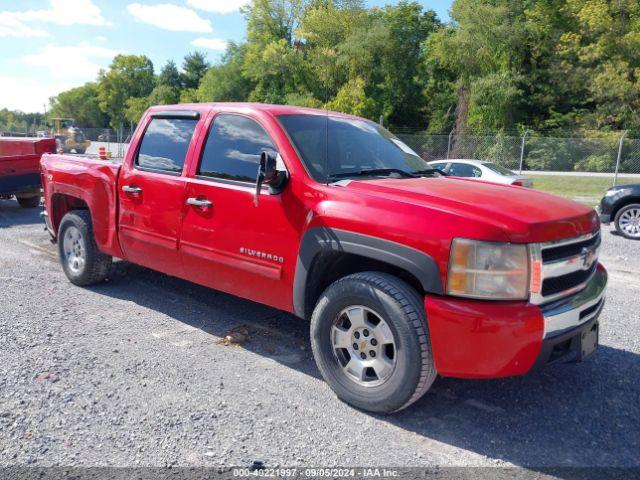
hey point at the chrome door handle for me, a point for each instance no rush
(133, 190)
(199, 202)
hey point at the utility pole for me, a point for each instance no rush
(449, 144)
(615, 176)
(524, 140)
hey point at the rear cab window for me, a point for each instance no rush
(165, 144)
(233, 149)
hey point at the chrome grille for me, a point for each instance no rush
(564, 267)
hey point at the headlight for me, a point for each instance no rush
(492, 271)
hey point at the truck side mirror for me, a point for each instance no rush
(269, 174)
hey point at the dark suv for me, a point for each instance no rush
(621, 205)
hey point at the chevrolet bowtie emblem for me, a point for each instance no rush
(588, 256)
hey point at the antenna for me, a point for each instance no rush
(326, 132)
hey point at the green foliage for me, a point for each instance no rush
(129, 77)
(225, 82)
(81, 104)
(134, 108)
(351, 98)
(499, 65)
(189, 95)
(170, 76)
(164, 95)
(16, 121)
(493, 100)
(194, 67)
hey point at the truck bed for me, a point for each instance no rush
(77, 181)
(20, 163)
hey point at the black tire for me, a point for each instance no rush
(400, 306)
(29, 202)
(633, 207)
(97, 265)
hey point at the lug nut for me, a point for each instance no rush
(373, 354)
(365, 332)
(355, 346)
(374, 342)
(357, 334)
(363, 356)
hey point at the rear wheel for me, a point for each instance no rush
(29, 202)
(371, 342)
(628, 221)
(81, 260)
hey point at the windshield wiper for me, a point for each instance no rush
(430, 171)
(372, 172)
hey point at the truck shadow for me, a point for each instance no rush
(12, 214)
(568, 415)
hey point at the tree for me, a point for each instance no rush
(351, 98)
(164, 95)
(17, 121)
(129, 77)
(599, 56)
(225, 82)
(271, 59)
(168, 87)
(273, 20)
(189, 95)
(170, 76)
(403, 79)
(135, 108)
(194, 67)
(81, 104)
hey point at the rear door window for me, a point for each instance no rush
(464, 170)
(233, 149)
(165, 143)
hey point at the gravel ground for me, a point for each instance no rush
(131, 373)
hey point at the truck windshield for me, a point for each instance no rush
(334, 147)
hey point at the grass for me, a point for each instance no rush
(587, 190)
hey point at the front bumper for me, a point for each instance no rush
(476, 339)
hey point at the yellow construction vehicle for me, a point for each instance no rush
(68, 136)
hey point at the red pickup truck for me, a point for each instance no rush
(20, 168)
(403, 273)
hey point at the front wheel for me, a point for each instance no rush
(81, 260)
(371, 342)
(628, 221)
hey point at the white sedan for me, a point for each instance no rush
(481, 170)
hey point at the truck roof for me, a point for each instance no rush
(264, 107)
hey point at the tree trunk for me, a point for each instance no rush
(462, 111)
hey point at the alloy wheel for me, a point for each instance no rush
(364, 346)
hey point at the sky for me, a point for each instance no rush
(48, 46)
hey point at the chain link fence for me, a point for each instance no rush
(114, 141)
(616, 155)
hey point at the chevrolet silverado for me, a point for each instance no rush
(404, 274)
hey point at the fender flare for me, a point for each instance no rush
(319, 239)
